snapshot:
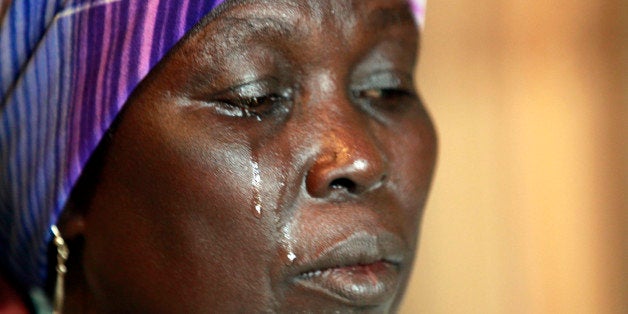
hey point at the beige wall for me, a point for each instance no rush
(529, 212)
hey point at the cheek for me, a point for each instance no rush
(174, 221)
(413, 148)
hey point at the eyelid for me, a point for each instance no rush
(385, 94)
(256, 98)
(385, 79)
(253, 88)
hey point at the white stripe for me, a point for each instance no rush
(83, 7)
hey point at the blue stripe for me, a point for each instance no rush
(160, 32)
(136, 41)
(15, 43)
(112, 60)
(22, 158)
(94, 55)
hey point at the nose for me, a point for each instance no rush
(349, 162)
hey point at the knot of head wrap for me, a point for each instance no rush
(66, 70)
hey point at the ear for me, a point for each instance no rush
(71, 223)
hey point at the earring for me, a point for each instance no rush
(62, 256)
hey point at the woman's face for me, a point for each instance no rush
(277, 160)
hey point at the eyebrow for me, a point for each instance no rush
(239, 28)
(391, 16)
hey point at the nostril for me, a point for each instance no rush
(343, 183)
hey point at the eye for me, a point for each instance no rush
(383, 94)
(387, 90)
(257, 106)
(255, 99)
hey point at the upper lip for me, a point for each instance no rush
(360, 248)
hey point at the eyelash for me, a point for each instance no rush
(389, 98)
(385, 91)
(257, 106)
(382, 93)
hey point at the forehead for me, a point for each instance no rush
(344, 17)
(260, 34)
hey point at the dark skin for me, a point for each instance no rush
(277, 160)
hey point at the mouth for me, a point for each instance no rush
(362, 270)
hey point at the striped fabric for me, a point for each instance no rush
(66, 69)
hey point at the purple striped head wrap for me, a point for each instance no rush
(66, 69)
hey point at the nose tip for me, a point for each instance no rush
(347, 176)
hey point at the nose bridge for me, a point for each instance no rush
(351, 138)
(349, 156)
(345, 129)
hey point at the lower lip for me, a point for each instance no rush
(360, 285)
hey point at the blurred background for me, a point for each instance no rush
(529, 210)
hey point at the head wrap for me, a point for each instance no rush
(66, 69)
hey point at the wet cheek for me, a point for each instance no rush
(184, 213)
(212, 193)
